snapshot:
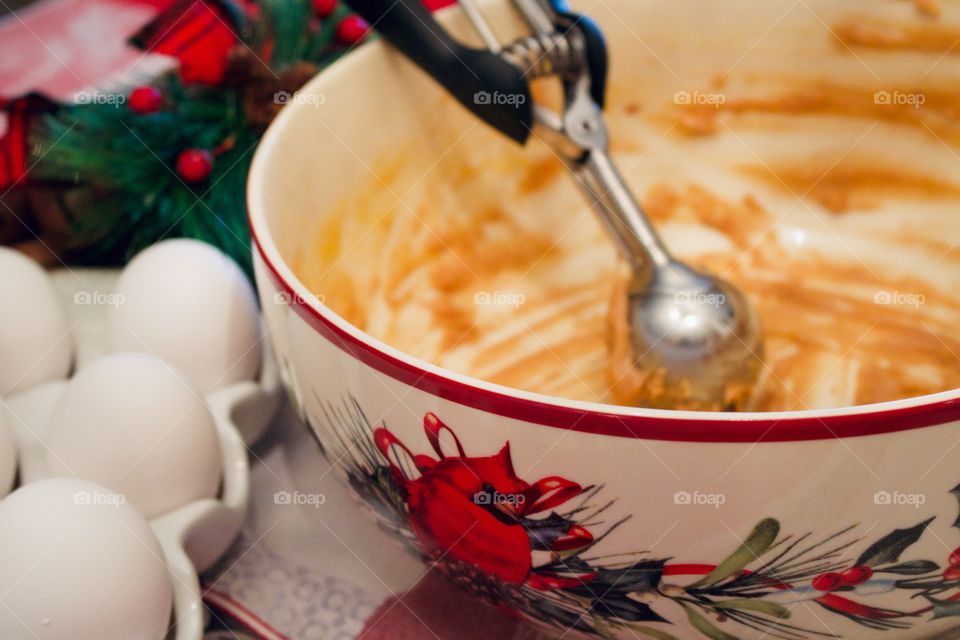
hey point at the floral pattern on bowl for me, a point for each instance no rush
(537, 547)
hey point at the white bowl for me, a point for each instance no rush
(712, 525)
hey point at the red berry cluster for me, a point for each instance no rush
(351, 30)
(832, 580)
(953, 571)
(194, 165)
(324, 8)
(145, 100)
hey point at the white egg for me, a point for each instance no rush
(35, 341)
(77, 563)
(133, 423)
(8, 455)
(190, 304)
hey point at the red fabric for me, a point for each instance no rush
(15, 143)
(198, 33)
(433, 5)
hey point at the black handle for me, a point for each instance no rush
(596, 46)
(483, 82)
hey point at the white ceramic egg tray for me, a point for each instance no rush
(195, 536)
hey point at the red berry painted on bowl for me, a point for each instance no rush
(827, 581)
(954, 558)
(856, 575)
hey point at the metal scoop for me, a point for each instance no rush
(695, 339)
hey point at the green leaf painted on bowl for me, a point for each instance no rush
(620, 606)
(657, 634)
(756, 544)
(888, 548)
(911, 568)
(760, 606)
(706, 627)
(944, 608)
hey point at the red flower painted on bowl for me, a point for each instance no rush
(476, 509)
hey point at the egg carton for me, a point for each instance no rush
(196, 535)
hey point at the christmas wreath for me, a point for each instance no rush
(97, 179)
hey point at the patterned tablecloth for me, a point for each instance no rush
(326, 572)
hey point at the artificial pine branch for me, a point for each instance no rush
(129, 159)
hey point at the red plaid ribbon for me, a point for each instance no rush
(15, 143)
(199, 33)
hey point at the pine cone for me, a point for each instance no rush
(259, 86)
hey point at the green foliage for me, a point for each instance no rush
(756, 544)
(288, 33)
(129, 160)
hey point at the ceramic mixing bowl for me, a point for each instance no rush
(620, 522)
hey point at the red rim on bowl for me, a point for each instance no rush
(587, 417)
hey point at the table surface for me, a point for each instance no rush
(327, 571)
